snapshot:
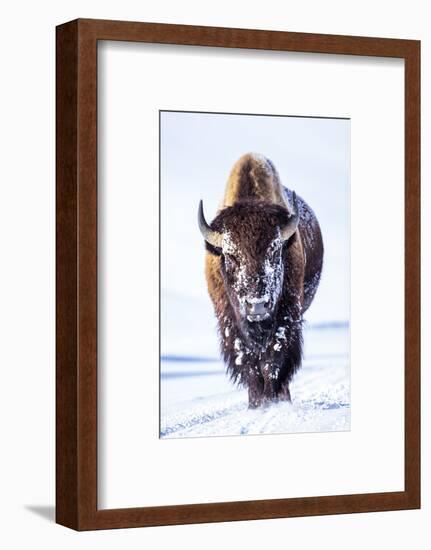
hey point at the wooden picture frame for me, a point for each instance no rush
(76, 279)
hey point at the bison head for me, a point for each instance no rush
(249, 238)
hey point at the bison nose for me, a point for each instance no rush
(257, 307)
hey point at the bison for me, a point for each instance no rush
(264, 255)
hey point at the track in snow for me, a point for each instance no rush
(197, 398)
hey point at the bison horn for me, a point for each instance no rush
(292, 225)
(212, 237)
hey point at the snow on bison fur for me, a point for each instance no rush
(264, 255)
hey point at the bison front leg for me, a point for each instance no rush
(269, 390)
(284, 392)
(255, 391)
(274, 388)
(270, 374)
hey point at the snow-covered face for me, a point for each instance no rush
(253, 275)
(249, 238)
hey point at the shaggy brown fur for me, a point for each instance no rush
(255, 266)
(254, 176)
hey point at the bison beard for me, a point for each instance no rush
(263, 256)
(266, 361)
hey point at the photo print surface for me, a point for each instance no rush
(254, 274)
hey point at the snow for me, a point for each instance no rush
(238, 359)
(197, 398)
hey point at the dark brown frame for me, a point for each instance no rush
(76, 373)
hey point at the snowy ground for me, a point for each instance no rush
(197, 398)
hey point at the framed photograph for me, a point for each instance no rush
(238, 274)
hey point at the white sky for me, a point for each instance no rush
(198, 150)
